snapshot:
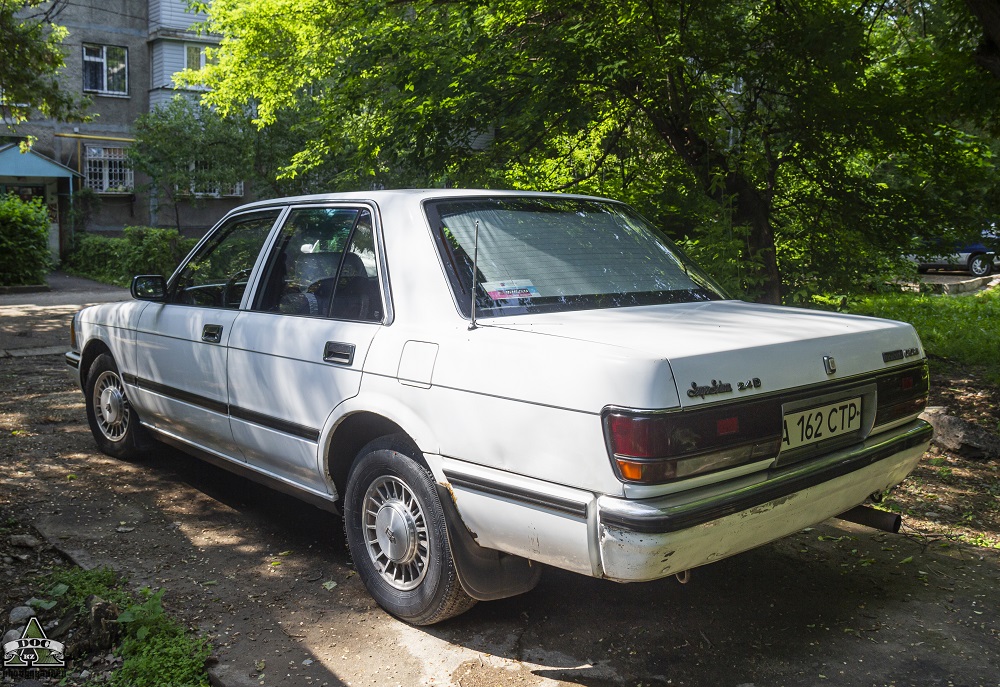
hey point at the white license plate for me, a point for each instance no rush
(817, 424)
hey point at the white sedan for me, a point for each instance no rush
(481, 382)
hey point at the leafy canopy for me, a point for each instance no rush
(31, 57)
(187, 150)
(796, 146)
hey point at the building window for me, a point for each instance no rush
(195, 60)
(210, 190)
(105, 69)
(108, 170)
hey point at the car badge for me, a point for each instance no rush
(830, 364)
(716, 387)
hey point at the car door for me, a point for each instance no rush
(181, 343)
(299, 350)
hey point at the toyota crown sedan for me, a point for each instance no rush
(483, 382)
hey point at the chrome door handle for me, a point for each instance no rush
(212, 333)
(338, 352)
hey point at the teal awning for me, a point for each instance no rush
(14, 163)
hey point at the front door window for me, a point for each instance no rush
(217, 275)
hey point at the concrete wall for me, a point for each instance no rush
(155, 33)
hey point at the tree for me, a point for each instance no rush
(987, 12)
(188, 151)
(31, 57)
(814, 136)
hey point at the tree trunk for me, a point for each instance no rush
(753, 208)
(752, 205)
(988, 14)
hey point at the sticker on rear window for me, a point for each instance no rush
(512, 288)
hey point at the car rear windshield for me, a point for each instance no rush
(537, 255)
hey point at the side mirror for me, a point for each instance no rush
(149, 287)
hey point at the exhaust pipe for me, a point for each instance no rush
(869, 517)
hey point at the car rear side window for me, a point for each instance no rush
(323, 265)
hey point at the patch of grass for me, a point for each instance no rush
(157, 650)
(957, 329)
(72, 586)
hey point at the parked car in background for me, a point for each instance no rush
(979, 258)
(482, 382)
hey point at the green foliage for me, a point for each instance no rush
(142, 250)
(73, 586)
(157, 650)
(798, 147)
(31, 56)
(86, 203)
(954, 329)
(189, 151)
(24, 241)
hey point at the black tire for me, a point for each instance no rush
(407, 566)
(981, 265)
(113, 421)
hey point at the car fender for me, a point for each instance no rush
(385, 406)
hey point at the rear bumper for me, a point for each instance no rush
(652, 538)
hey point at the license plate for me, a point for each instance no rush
(817, 424)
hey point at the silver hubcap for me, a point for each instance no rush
(110, 406)
(396, 533)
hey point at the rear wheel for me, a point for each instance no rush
(397, 534)
(981, 265)
(113, 422)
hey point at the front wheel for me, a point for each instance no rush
(113, 422)
(981, 265)
(397, 534)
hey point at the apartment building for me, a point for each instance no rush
(122, 54)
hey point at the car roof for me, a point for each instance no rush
(397, 195)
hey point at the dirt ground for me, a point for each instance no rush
(269, 581)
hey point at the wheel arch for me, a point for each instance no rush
(485, 574)
(347, 439)
(91, 351)
(356, 422)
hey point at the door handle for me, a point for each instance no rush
(338, 352)
(212, 333)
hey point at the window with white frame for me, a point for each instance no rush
(105, 69)
(108, 170)
(195, 57)
(211, 190)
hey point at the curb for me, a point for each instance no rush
(964, 286)
(32, 352)
(30, 288)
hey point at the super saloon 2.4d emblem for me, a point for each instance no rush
(716, 388)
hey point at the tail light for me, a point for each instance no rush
(902, 394)
(651, 448)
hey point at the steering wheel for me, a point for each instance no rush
(231, 285)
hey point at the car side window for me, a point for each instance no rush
(323, 265)
(216, 276)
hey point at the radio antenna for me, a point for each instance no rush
(475, 270)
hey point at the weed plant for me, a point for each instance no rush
(155, 649)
